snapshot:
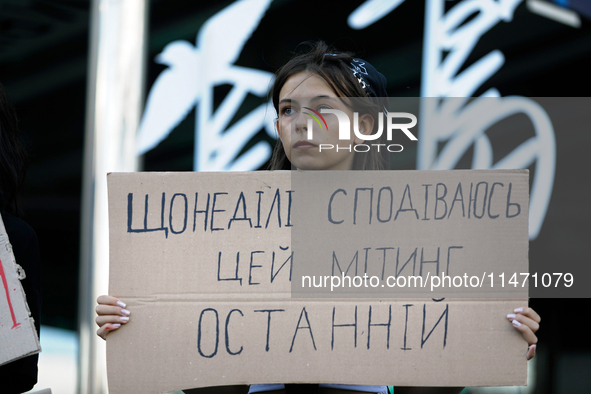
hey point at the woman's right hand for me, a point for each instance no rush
(111, 314)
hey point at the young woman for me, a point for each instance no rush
(325, 79)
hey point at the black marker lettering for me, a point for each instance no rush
(483, 200)
(370, 325)
(205, 211)
(380, 204)
(244, 217)
(260, 193)
(235, 274)
(412, 256)
(509, 204)
(461, 199)
(308, 327)
(436, 262)
(289, 208)
(290, 259)
(278, 199)
(251, 266)
(406, 192)
(344, 325)
(492, 190)
(213, 211)
(269, 311)
(427, 200)
(440, 198)
(228, 336)
(355, 260)
(406, 327)
(384, 262)
(357, 190)
(145, 229)
(185, 213)
(330, 219)
(217, 333)
(445, 313)
(448, 256)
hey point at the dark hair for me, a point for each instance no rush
(332, 66)
(12, 157)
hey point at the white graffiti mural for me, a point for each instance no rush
(457, 121)
(194, 70)
(460, 123)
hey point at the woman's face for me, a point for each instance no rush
(308, 90)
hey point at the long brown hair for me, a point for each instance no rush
(332, 66)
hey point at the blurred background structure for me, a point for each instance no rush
(201, 73)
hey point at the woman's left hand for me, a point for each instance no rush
(527, 322)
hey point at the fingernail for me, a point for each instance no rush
(124, 319)
(116, 325)
(518, 310)
(511, 316)
(125, 312)
(516, 323)
(531, 349)
(121, 304)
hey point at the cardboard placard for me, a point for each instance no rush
(205, 263)
(18, 337)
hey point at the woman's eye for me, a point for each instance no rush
(287, 111)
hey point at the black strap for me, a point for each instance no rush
(301, 388)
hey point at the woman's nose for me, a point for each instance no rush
(301, 123)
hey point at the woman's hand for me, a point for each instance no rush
(527, 322)
(111, 314)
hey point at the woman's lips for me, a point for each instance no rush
(304, 145)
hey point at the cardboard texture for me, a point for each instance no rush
(18, 337)
(204, 263)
